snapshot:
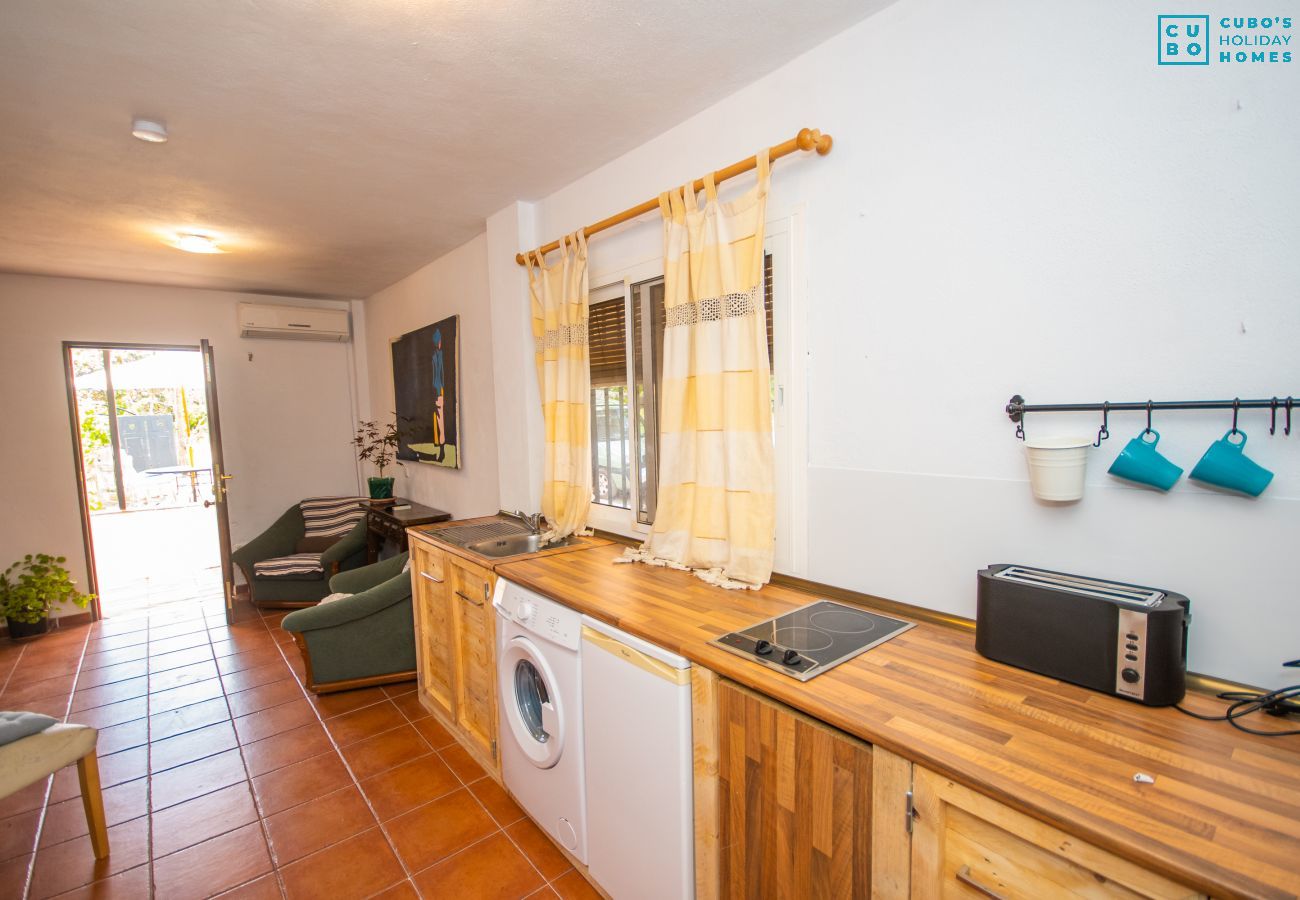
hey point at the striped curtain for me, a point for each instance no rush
(716, 502)
(559, 299)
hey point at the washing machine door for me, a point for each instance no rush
(532, 703)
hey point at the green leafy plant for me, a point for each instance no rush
(31, 587)
(376, 443)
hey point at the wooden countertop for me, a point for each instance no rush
(1223, 816)
(430, 533)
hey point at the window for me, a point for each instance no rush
(624, 396)
(611, 456)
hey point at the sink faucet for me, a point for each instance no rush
(533, 523)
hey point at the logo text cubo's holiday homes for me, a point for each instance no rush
(1196, 40)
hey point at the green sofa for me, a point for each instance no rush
(362, 640)
(281, 539)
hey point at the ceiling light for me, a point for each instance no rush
(194, 242)
(150, 131)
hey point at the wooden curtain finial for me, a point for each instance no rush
(813, 139)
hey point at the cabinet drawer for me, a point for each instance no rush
(428, 564)
(968, 845)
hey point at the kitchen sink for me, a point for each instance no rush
(464, 535)
(515, 544)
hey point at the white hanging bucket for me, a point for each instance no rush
(1057, 466)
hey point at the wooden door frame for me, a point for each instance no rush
(78, 458)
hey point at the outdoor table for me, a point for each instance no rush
(177, 471)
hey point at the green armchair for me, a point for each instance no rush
(362, 640)
(282, 539)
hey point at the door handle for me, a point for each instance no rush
(431, 578)
(226, 477)
(207, 503)
(468, 599)
(965, 877)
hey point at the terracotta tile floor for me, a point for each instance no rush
(222, 776)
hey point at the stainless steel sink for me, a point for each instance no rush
(515, 544)
(465, 535)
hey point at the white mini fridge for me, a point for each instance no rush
(636, 701)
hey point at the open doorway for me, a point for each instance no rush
(143, 427)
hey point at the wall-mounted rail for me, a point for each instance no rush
(1017, 409)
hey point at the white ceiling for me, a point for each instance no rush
(338, 146)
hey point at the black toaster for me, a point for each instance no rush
(1122, 639)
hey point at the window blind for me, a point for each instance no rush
(607, 343)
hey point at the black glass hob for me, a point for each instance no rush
(813, 638)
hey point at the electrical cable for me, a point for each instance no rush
(1280, 702)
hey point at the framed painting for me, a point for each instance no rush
(426, 389)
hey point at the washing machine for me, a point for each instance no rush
(540, 688)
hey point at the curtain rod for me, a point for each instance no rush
(806, 139)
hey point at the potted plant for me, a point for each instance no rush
(30, 588)
(377, 443)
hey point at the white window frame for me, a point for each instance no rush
(784, 240)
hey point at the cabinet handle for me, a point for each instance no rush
(430, 577)
(468, 599)
(964, 876)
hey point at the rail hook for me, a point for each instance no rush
(1272, 416)
(1016, 411)
(1236, 408)
(1150, 404)
(1104, 432)
(1287, 429)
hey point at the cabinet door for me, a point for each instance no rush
(434, 627)
(965, 844)
(476, 707)
(795, 802)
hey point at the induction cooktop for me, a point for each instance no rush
(812, 639)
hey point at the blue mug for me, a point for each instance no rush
(1140, 461)
(1225, 465)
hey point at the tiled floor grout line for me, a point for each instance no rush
(148, 751)
(68, 696)
(22, 651)
(356, 782)
(49, 784)
(464, 785)
(248, 779)
(320, 716)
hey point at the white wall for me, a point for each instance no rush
(518, 403)
(1020, 200)
(453, 284)
(285, 413)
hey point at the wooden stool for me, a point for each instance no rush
(31, 758)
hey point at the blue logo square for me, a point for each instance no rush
(1183, 40)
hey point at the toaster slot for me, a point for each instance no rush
(1087, 587)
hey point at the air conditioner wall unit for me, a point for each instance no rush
(293, 323)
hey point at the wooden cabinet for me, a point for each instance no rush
(434, 633)
(964, 844)
(794, 802)
(455, 646)
(476, 707)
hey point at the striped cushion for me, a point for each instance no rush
(297, 564)
(331, 516)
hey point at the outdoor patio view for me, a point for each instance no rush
(147, 466)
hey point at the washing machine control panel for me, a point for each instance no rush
(539, 615)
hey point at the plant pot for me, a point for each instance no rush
(23, 631)
(381, 488)
(1057, 466)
